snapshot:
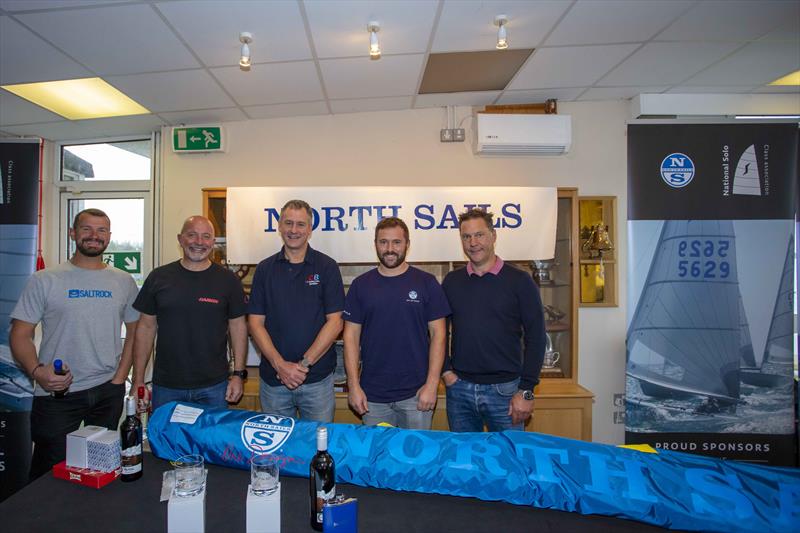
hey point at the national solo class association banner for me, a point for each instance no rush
(710, 346)
(19, 189)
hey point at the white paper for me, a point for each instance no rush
(185, 414)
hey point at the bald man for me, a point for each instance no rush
(192, 304)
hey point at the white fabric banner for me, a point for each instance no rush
(345, 219)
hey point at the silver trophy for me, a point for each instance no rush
(543, 271)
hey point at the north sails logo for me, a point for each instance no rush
(677, 170)
(266, 433)
(412, 297)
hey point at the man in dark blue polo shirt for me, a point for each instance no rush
(295, 316)
(498, 335)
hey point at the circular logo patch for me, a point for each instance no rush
(266, 433)
(677, 170)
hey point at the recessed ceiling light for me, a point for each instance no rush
(244, 61)
(789, 79)
(78, 99)
(374, 46)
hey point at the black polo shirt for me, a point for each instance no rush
(294, 298)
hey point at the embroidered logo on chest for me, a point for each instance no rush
(412, 297)
(208, 300)
(312, 279)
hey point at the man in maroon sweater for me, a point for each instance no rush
(498, 335)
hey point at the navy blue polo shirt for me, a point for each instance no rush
(294, 298)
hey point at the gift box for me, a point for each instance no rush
(78, 443)
(84, 476)
(103, 452)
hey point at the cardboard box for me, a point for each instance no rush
(84, 476)
(77, 449)
(103, 452)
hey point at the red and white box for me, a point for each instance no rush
(84, 476)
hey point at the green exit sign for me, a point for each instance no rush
(198, 139)
(130, 262)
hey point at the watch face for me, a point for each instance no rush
(527, 394)
(241, 373)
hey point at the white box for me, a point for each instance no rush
(103, 451)
(264, 512)
(77, 451)
(187, 514)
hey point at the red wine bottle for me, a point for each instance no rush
(322, 478)
(130, 434)
(58, 368)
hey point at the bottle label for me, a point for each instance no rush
(322, 497)
(132, 459)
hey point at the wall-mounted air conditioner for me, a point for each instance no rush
(500, 134)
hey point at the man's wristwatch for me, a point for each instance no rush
(241, 373)
(305, 363)
(526, 394)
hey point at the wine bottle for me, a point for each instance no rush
(130, 433)
(58, 368)
(142, 410)
(322, 478)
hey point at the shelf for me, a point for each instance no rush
(597, 261)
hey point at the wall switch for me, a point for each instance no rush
(458, 135)
(446, 135)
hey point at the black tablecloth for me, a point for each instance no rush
(53, 505)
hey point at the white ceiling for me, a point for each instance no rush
(179, 58)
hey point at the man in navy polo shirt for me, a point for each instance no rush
(295, 317)
(498, 335)
(390, 313)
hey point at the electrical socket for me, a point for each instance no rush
(458, 135)
(445, 135)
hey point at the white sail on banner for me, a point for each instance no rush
(746, 179)
(345, 218)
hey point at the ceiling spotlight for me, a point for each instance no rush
(245, 38)
(374, 46)
(502, 37)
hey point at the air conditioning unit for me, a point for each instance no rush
(500, 134)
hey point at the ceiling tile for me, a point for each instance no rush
(573, 66)
(467, 26)
(666, 63)
(361, 77)
(273, 83)
(779, 89)
(339, 29)
(141, 124)
(173, 91)
(755, 64)
(204, 116)
(688, 89)
(540, 95)
(25, 58)
(73, 130)
(54, 131)
(788, 31)
(480, 98)
(16, 110)
(114, 40)
(287, 110)
(723, 20)
(33, 5)
(618, 93)
(614, 21)
(212, 29)
(359, 105)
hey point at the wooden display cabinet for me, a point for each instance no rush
(563, 407)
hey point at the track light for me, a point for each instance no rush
(245, 38)
(502, 37)
(374, 46)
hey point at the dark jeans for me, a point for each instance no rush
(213, 395)
(471, 405)
(52, 418)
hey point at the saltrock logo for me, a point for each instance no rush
(266, 433)
(677, 170)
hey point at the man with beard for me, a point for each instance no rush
(192, 304)
(395, 325)
(81, 305)
(295, 316)
(498, 335)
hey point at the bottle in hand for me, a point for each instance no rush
(322, 478)
(130, 433)
(58, 368)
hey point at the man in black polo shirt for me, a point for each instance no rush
(295, 316)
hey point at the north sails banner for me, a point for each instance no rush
(668, 489)
(710, 347)
(19, 200)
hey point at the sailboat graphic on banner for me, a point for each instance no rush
(684, 339)
(746, 179)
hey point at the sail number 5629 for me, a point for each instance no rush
(710, 263)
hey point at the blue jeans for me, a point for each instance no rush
(314, 401)
(402, 414)
(471, 405)
(213, 396)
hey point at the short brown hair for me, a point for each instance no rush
(391, 222)
(92, 212)
(474, 213)
(298, 204)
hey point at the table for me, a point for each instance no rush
(52, 505)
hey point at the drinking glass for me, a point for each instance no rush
(190, 475)
(263, 475)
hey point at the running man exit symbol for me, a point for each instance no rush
(198, 139)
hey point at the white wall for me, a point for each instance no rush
(403, 148)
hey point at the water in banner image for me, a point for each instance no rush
(710, 343)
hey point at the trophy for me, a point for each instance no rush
(543, 271)
(551, 356)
